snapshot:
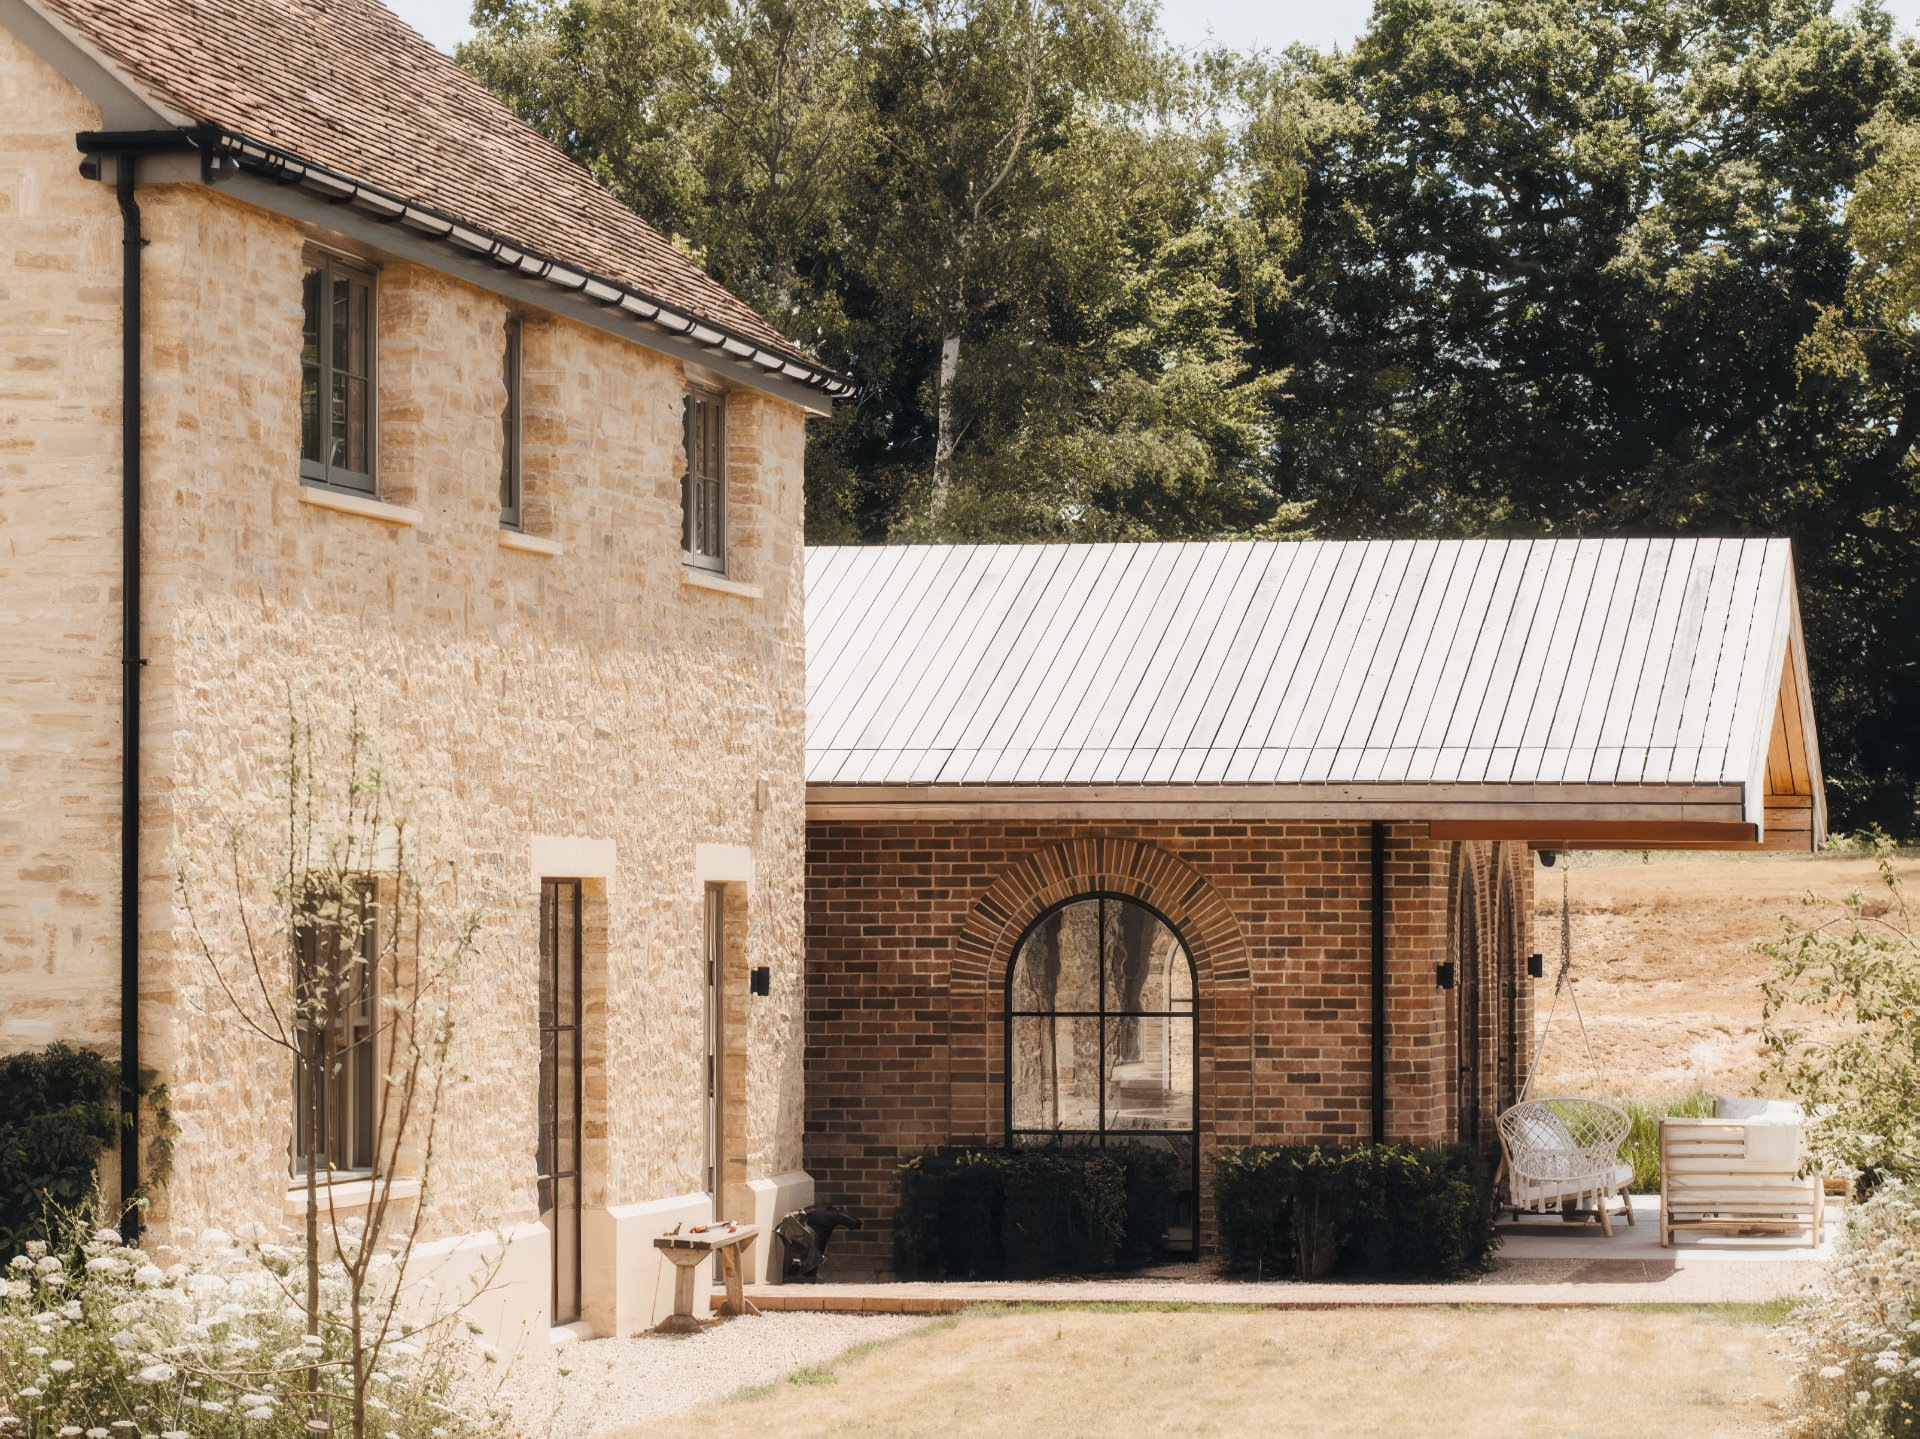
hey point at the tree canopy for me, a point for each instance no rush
(1502, 267)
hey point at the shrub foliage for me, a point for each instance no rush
(968, 1213)
(1304, 1210)
(58, 1112)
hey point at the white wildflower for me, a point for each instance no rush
(19, 1261)
(98, 1433)
(148, 1276)
(215, 1239)
(71, 1309)
(108, 1237)
(67, 1430)
(103, 1264)
(61, 1366)
(175, 1434)
(124, 1340)
(19, 1289)
(52, 1281)
(29, 1393)
(156, 1374)
(36, 1248)
(312, 1341)
(200, 1284)
(49, 1264)
(38, 1351)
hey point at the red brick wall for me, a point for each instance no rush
(911, 926)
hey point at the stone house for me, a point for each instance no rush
(320, 372)
(1205, 844)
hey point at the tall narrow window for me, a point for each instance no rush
(557, 1161)
(334, 1078)
(336, 376)
(1100, 1040)
(703, 490)
(510, 428)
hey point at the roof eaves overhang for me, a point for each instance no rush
(263, 175)
(301, 189)
(1644, 816)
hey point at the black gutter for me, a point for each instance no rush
(125, 148)
(1379, 1027)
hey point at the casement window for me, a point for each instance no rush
(334, 1020)
(703, 490)
(336, 375)
(510, 448)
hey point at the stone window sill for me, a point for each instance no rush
(365, 506)
(529, 544)
(344, 1196)
(694, 578)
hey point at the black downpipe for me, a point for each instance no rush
(1379, 982)
(130, 664)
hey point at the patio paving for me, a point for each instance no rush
(1542, 1262)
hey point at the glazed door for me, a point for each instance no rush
(558, 1160)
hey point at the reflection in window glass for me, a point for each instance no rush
(1100, 1030)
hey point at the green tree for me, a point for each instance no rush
(1000, 217)
(1577, 266)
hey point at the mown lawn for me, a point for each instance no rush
(1647, 1373)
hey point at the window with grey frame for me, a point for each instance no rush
(1101, 1037)
(334, 1077)
(336, 375)
(510, 447)
(703, 487)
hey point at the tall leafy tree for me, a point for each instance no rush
(1576, 266)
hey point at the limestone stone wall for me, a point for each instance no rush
(594, 694)
(59, 561)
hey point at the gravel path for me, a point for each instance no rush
(622, 1381)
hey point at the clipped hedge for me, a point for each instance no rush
(970, 1213)
(1304, 1210)
(59, 1110)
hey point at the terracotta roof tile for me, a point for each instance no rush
(348, 85)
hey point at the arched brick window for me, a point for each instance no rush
(1101, 1042)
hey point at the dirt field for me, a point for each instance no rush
(1340, 1374)
(1663, 947)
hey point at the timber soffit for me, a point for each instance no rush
(344, 101)
(1550, 678)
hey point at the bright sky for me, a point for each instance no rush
(1243, 24)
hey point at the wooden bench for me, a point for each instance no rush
(1723, 1174)
(686, 1248)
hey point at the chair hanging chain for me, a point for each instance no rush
(1563, 980)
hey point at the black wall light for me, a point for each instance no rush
(760, 980)
(1443, 975)
(1537, 965)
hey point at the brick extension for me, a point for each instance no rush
(911, 926)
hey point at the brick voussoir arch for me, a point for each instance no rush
(983, 949)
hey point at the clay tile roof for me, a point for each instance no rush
(348, 85)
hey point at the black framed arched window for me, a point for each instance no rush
(1101, 1042)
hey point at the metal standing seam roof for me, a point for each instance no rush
(1408, 662)
(346, 98)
